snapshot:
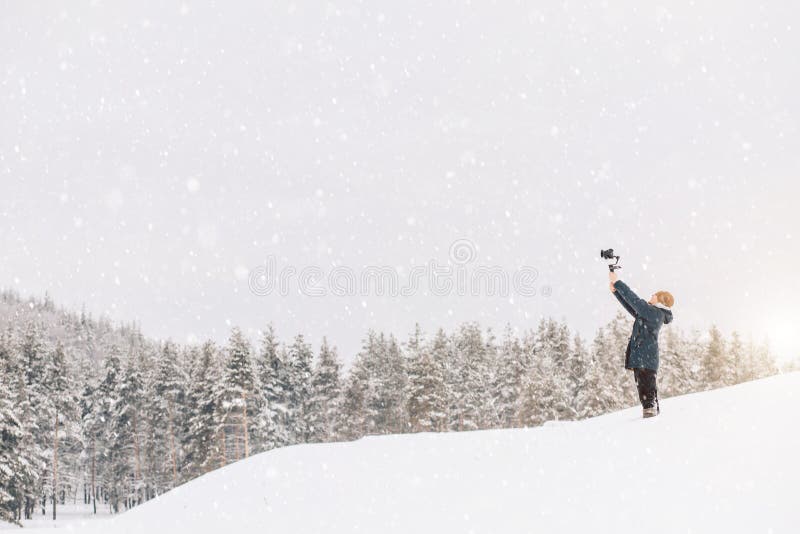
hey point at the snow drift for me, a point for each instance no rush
(718, 461)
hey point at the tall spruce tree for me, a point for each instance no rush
(736, 355)
(271, 424)
(298, 388)
(91, 433)
(202, 401)
(390, 399)
(124, 447)
(600, 393)
(763, 360)
(36, 415)
(352, 416)
(714, 361)
(426, 397)
(474, 407)
(577, 369)
(165, 406)
(59, 404)
(27, 481)
(325, 394)
(677, 373)
(512, 370)
(540, 400)
(379, 378)
(619, 333)
(104, 418)
(237, 396)
(10, 438)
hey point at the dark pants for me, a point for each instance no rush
(646, 384)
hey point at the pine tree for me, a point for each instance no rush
(92, 433)
(714, 360)
(353, 419)
(27, 481)
(33, 355)
(427, 401)
(391, 387)
(59, 405)
(123, 450)
(543, 398)
(239, 383)
(601, 393)
(562, 379)
(35, 413)
(532, 399)
(325, 394)
(512, 370)
(104, 402)
(762, 360)
(729, 374)
(272, 400)
(677, 371)
(577, 369)
(736, 352)
(10, 438)
(202, 429)
(473, 408)
(166, 395)
(360, 405)
(619, 332)
(445, 354)
(10, 434)
(379, 375)
(298, 387)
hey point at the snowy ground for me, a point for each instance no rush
(72, 516)
(722, 461)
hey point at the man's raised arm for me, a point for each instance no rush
(622, 301)
(640, 306)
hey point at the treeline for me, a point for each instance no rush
(119, 421)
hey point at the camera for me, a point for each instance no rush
(608, 254)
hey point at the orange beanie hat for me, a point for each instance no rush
(665, 298)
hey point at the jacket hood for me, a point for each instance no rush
(667, 312)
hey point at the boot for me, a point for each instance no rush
(650, 412)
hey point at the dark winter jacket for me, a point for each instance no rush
(642, 351)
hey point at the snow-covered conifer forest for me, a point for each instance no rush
(99, 414)
(305, 266)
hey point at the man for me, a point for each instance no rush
(642, 352)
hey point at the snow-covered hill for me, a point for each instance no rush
(720, 461)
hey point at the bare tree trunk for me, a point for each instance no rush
(55, 466)
(172, 447)
(94, 490)
(137, 473)
(174, 458)
(244, 413)
(224, 452)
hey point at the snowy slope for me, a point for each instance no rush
(720, 461)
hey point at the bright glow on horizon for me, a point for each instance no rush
(783, 338)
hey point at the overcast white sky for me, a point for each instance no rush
(152, 153)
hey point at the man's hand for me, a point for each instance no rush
(612, 277)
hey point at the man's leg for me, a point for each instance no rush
(646, 385)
